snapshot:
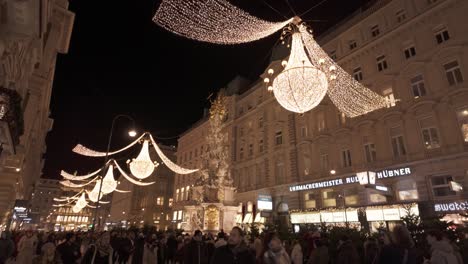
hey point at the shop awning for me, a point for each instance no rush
(259, 219)
(239, 219)
(248, 218)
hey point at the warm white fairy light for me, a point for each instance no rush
(74, 185)
(130, 179)
(121, 191)
(214, 21)
(81, 202)
(142, 167)
(171, 165)
(348, 95)
(73, 177)
(82, 150)
(109, 184)
(300, 86)
(76, 209)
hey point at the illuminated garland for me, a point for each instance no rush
(73, 177)
(171, 165)
(214, 21)
(82, 150)
(348, 95)
(74, 185)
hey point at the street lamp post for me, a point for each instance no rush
(131, 133)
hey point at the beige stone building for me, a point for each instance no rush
(32, 33)
(413, 52)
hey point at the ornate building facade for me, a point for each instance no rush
(32, 33)
(412, 52)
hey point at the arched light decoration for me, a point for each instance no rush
(142, 167)
(109, 184)
(300, 86)
(82, 150)
(215, 21)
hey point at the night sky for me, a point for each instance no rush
(120, 62)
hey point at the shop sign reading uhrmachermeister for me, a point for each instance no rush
(383, 174)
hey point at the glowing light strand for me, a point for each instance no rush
(82, 150)
(214, 21)
(349, 96)
(74, 185)
(171, 165)
(73, 177)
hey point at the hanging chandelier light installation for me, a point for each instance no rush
(300, 86)
(142, 167)
(94, 195)
(308, 74)
(109, 184)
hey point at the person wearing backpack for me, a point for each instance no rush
(441, 250)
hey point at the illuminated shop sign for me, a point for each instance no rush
(264, 202)
(383, 174)
(451, 206)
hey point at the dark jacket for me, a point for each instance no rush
(69, 252)
(195, 253)
(347, 254)
(237, 255)
(394, 254)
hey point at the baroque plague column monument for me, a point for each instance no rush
(212, 196)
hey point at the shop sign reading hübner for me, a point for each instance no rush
(383, 174)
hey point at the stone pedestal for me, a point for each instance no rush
(215, 211)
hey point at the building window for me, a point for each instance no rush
(441, 185)
(398, 145)
(442, 35)
(279, 171)
(341, 119)
(417, 86)
(310, 201)
(375, 197)
(410, 52)
(429, 133)
(303, 131)
(357, 74)
(250, 150)
(241, 131)
(329, 198)
(278, 138)
(407, 190)
(179, 215)
(307, 161)
(260, 146)
(389, 97)
(320, 121)
(241, 153)
(351, 197)
(463, 120)
(171, 202)
(401, 15)
(160, 201)
(182, 194)
(177, 195)
(375, 31)
(371, 154)
(352, 44)
(324, 162)
(333, 54)
(346, 158)
(453, 73)
(260, 122)
(381, 63)
(187, 191)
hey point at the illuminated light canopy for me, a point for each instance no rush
(349, 96)
(142, 167)
(300, 86)
(81, 202)
(109, 184)
(121, 191)
(82, 150)
(171, 165)
(214, 21)
(74, 185)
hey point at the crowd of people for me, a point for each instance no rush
(130, 247)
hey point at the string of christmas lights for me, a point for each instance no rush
(349, 96)
(171, 165)
(82, 150)
(73, 177)
(214, 21)
(74, 185)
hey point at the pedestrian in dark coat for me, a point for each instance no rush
(195, 252)
(235, 252)
(347, 253)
